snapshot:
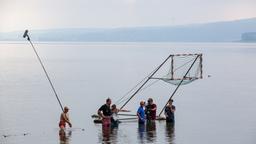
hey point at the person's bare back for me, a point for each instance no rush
(64, 118)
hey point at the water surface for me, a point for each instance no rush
(216, 109)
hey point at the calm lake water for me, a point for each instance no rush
(220, 108)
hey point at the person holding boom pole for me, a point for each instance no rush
(64, 116)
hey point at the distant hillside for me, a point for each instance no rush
(248, 37)
(210, 32)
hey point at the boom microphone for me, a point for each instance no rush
(25, 34)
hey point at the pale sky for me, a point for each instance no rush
(47, 14)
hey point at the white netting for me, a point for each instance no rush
(180, 64)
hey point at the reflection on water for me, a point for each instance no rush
(92, 72)
(109, 134)
(141, 132)
(169, 133)
(147, 132)
(151, 131)
(64, 136)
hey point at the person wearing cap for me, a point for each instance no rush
(105, 113)
(141, 113)
(150, 110)
(64, 118)
(169, 112)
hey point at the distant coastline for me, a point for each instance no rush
(249, 37)
(230, 31)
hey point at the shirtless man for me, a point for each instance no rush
(64, 118)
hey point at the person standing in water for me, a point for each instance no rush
(141, 113)
(105, 113)
(114, 117)
(64, 118)
(169, 112)
(150, 110)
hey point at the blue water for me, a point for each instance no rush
(217, 109)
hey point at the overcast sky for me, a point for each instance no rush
(45, 14)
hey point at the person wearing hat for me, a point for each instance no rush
(169, 112)
(150, 110)
(64, 118)
(141, 113)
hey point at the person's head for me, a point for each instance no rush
(170, 101)
(66, 109)
(108, 101)
(113, 106)
(142, 103)
(150, 101)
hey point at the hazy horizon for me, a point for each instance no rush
(120, 27)
(46, 14)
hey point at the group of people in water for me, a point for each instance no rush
(108, 113)
(146, 112)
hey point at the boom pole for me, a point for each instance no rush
(146, 81)
(180, 83)
(25, 35)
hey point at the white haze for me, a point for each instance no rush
(47, 14)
